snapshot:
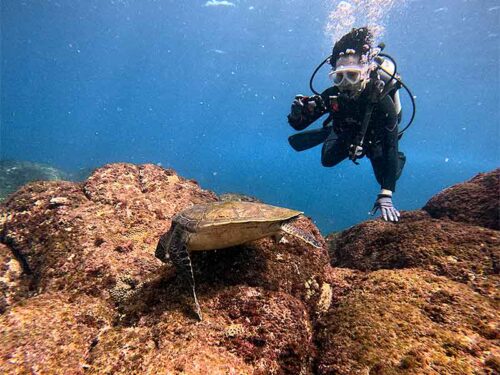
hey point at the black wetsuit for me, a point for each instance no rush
(380, 143)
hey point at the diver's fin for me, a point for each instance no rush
(309, 139)
(299, 233)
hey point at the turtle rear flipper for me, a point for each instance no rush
(292, 230)
(179, 255)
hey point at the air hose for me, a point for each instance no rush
(314, 75)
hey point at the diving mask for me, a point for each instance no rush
(346, 77)
(350, 72)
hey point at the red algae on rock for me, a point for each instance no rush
(14, 282)
(407, 322)
(101, 231)
(91, 245)
(465, 253)
(50, 333)
(419, 296)
(476, 201)
(245, 330)
(82, 293)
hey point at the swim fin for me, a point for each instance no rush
(309, 139)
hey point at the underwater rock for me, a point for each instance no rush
(461, 252)
(96, 241)
(476, 201)
(406, 322)
(14, 174)
(419, 296)
(51, 333)
(245, 330)
(81, 290)
(14, 283)
(84, 238)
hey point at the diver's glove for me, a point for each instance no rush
(384, 204)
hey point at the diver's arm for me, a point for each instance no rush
(305, 110)
(388, 118)
(386, 165)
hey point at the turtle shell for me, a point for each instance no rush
(221, 213)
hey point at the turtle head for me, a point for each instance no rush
(161, 251)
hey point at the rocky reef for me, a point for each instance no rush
(82, 293)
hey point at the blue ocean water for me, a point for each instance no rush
(204, 87)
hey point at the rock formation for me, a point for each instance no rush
(82, 293)
(474, 202)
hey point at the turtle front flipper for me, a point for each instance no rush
(179, 255)
(292, 230)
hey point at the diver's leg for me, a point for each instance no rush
(335, 149)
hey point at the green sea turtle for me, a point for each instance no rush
(220, 225)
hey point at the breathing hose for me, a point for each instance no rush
(314, 75)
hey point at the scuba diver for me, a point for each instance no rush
(364, 112)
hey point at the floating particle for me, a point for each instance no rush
(439, 10)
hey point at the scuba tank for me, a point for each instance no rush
(387, 73)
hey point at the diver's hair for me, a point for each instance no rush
(356, 39)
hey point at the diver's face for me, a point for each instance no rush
(349, 75)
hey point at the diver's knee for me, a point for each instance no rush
(327, 162)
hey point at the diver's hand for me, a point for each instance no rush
(384, 204)
(298, 106)
(315, 104)
(355, 151)
(304, 105)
